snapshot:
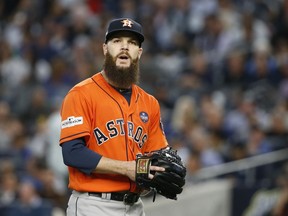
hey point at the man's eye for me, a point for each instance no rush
(133, 42)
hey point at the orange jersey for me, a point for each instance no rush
(111, 127)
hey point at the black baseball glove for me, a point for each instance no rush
(168, 183)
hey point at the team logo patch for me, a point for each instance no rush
(144, 117)
(72, 121)
(143, 165)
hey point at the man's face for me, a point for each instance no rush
(121, 65)
(124, 47)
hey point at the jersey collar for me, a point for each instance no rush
(115, 94)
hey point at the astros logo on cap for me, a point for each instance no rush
(124, 24)
(127, 22)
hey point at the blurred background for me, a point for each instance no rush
(219, 69)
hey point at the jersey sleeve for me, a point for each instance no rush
(75, 117)
(156, 137)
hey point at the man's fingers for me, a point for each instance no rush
(151, 176)
(155, 168)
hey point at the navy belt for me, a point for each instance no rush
(127, 197)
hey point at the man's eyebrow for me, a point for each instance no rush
(130, 38)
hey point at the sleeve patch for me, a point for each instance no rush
(72, 121)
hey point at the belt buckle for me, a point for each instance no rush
(129, 199)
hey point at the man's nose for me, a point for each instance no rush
(124, 45)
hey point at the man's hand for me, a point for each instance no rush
(162, 171)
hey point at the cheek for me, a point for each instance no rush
(112, 54)
(112, 51)
(135, 55)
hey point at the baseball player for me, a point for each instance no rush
(107, 120)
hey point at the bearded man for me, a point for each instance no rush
(107, 120)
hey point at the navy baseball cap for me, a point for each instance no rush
(124, 24)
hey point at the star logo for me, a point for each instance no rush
(144, 117)
(127, 22)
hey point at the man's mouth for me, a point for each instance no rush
(123, 57)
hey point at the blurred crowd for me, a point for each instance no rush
(219, 69)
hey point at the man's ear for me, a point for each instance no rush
(140, 52)
(105, 48)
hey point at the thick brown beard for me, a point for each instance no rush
(119, 76)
